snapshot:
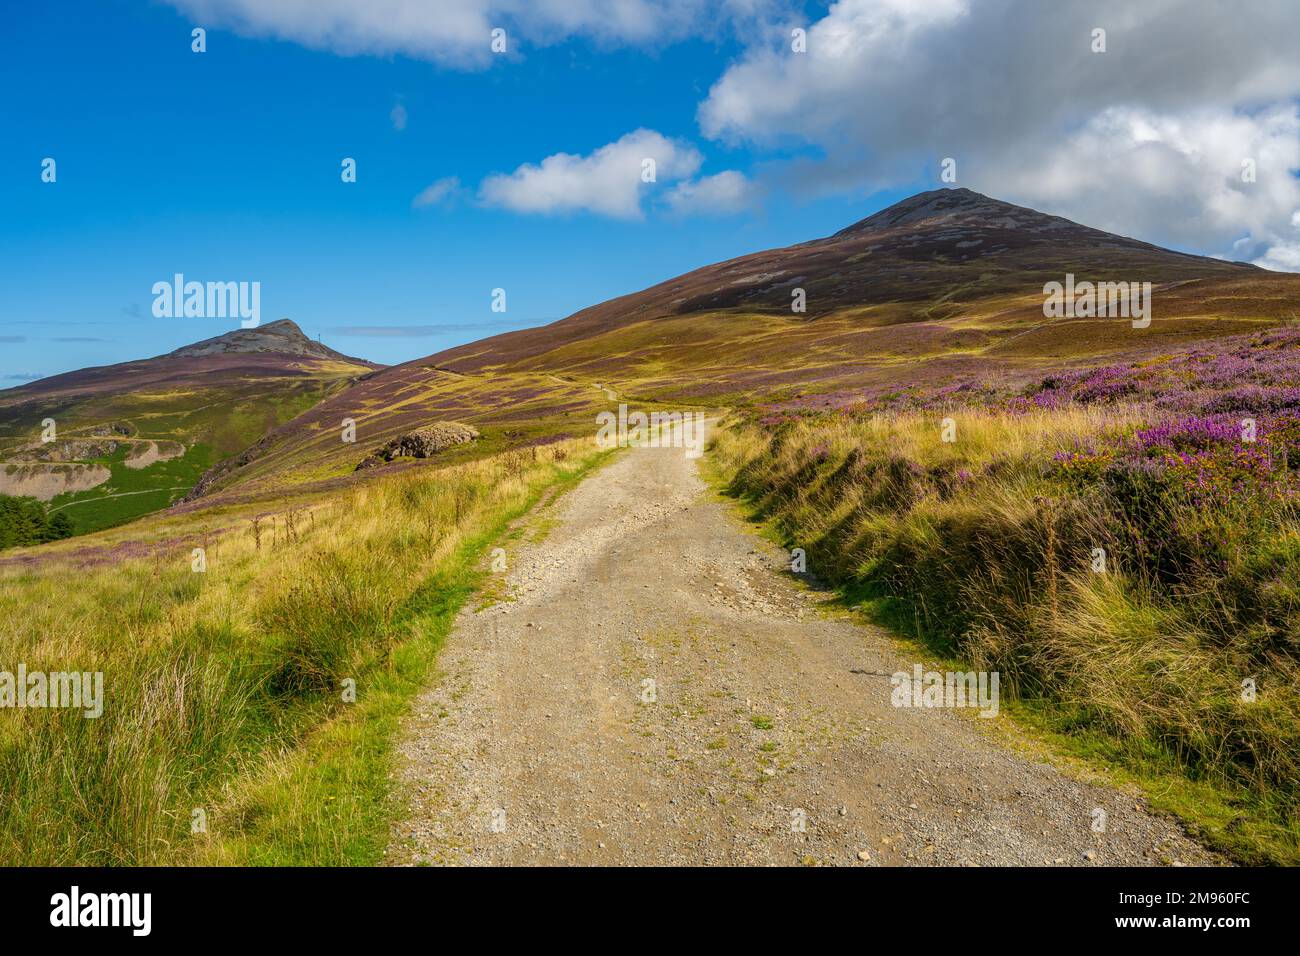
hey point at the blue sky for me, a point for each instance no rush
(225, 165)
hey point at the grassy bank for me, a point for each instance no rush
(1091, 559)
(227, 692)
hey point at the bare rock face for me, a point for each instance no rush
(145, 453)
(45, 482)
(74, 449)
(422, 443)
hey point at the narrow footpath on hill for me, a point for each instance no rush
(655, 689)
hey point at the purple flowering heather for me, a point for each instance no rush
(1186, 434)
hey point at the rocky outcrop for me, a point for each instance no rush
(422, 443)
(145, 453)
(209, 479)
(140, 452)
(113, 428)
(49, 481)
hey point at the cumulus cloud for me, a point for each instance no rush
(1196, 178)
(1281, 257)
(609, 181)
(1146, 138)
(439, 191)
(1284, 254)
(457, 33)
(725, 192)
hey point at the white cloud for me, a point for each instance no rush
(457, 33)
(1146, 138)
(398, 116)
(725, 192)
(439, 191)
(1281, 257)
(775, 94)
(1171, 178)
(607, 181)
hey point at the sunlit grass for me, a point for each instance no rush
(224, 690)
(975, 546)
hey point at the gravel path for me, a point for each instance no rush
(767, 737)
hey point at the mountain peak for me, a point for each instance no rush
(956, 206)
(285, 326)
(282, 336)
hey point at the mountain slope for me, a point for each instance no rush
(131, 438)
(939, 283)
(933, 258)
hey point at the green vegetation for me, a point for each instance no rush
(133, 492)
(987, 554)
(214, 416)
(25, 521)
(229, 691)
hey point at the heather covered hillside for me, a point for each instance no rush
(105, 445)
(945, 283)
(1120, 541)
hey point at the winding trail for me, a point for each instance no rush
(120, 494)
(769, 737)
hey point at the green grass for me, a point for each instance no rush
(214, 419)
(1114, 669)
(330, 802)
(133, 492)
(222, 689)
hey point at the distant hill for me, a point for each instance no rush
(134, 437)
(932, 287)
(282, 337)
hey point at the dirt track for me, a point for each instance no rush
(535, 745)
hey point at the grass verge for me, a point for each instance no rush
(227, 733)
(983, 555)
(329, 801)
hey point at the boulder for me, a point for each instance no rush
(422, 443)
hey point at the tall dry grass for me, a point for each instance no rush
(209, 675)
(978, 547)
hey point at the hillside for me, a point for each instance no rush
(133, 437)
(1076, 437)
(942, 272)
(932, 288)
